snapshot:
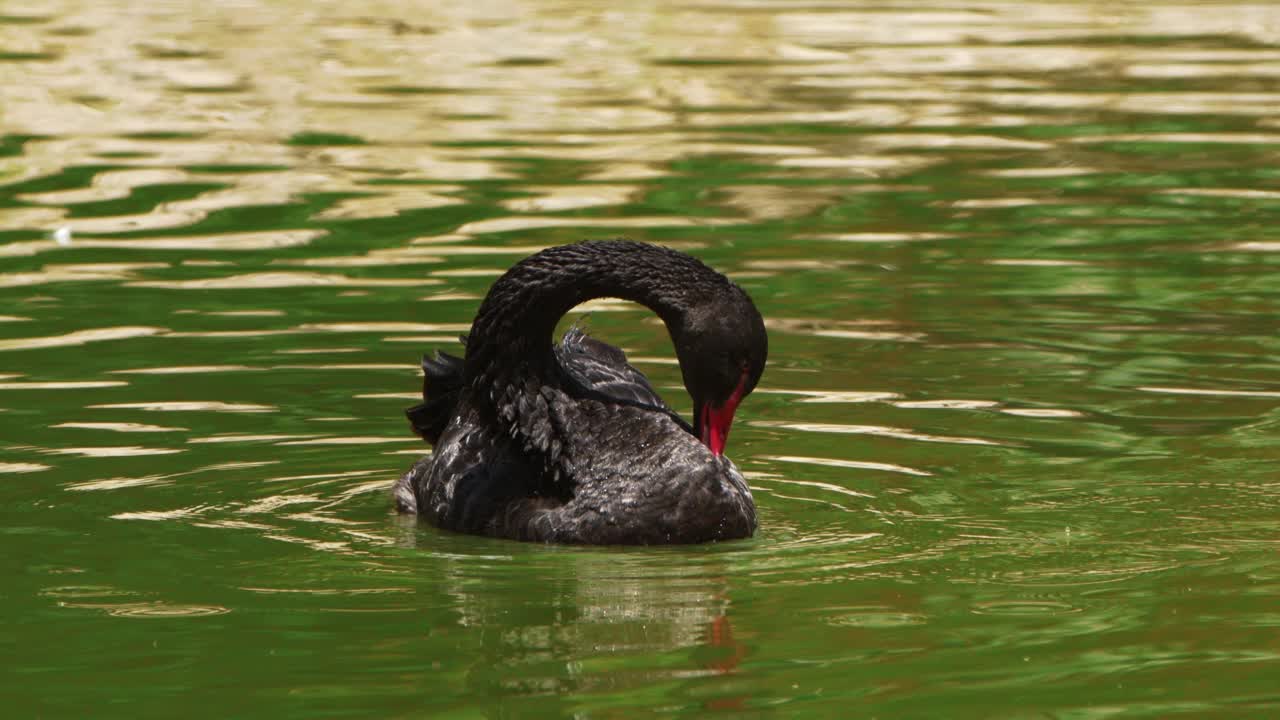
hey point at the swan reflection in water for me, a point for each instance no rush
(530, 620)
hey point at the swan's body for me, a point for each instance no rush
(568, 442)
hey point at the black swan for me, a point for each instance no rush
(569, 443)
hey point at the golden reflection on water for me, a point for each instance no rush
(123, 603)
(898, 433)
(189, 406)
(278, 280)
(120, 427)
(115, 451)
(10, 467)
(79, 337)
(411, 84)
(70, 385)
(119, 483)
(244, 437)
(849, 464)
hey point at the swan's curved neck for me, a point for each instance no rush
(512, 332)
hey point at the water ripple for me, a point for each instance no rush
(78, 337)
(898, 433)
(851, 464)
(1053, 223)
(190, 406)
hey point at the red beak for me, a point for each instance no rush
(714, 421)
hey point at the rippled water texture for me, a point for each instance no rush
(1015, 452)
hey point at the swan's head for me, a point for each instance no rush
(722, 347)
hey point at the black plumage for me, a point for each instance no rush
(568, 442)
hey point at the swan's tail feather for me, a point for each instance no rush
(441, 383)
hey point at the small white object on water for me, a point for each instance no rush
(62, 236)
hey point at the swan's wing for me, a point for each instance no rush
(601, 370)
(441, 382)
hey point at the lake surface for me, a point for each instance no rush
(1015, 453)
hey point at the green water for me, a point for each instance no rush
(1014, 454)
